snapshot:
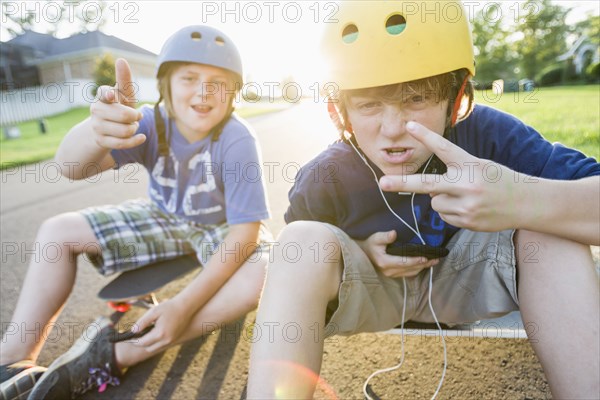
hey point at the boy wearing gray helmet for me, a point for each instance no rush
(190, 143)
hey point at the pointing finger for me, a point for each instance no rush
(408, 183)
(432, 184)
(125, 86)
(442, 147)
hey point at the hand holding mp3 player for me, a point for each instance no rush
(417, 250)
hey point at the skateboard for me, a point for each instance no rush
(137, 287)
(509, 326)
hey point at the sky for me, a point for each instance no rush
(276, 38)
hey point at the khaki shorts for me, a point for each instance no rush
(477, 280)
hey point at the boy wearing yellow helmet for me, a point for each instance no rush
(458, 178)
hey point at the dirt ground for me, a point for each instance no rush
(477, 368)
(216, 367)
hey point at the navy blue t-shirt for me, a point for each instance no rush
(338, 188)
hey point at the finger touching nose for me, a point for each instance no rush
(393, 122)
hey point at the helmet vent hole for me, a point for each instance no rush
(350, 33)
(196, 36)
(395, 24)
(220, 41)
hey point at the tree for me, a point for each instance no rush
(51, 17)
(589, 27)
(104, 71)
(14, 22)
(544, 33)
(494, 56)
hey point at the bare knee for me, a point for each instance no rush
(307, 233)
(307, 253)
(69, 231)
(542, 248)
(307, 242)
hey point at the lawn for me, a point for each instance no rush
(568, 114)
(33, 146)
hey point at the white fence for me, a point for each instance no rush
(27, 104)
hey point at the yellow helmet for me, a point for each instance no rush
(377, 43)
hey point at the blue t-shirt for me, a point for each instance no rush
(208, 182)
(338, 188)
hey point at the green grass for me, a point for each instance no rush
(569, 114)
(33, 146)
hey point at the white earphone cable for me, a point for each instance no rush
(439, 387)
(417, 232)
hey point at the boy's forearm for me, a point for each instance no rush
(230, 255)
(569, 209)
(78, 150)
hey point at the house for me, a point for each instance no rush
(581, 54)
(66, 60)
(41, 75)
(14, 69)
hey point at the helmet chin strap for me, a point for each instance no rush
(163, 147)
(218, 129)
(336, 118)
(458, 100)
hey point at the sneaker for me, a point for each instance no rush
(17, 380)
(87, 365)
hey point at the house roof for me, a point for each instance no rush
(50, 46)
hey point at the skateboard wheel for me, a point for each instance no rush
(120, 307)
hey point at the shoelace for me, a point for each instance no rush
(100, 378)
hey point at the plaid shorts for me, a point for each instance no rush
(137, 233)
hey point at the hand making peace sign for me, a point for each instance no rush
(474, 193)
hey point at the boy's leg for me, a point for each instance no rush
(559, 297)
(94, 353)
(297, 290)
(134, 234)
(238, 296)
(47, 285)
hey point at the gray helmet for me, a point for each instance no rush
(202, 45)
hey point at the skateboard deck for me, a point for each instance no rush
(509, 326)
(146, 280)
